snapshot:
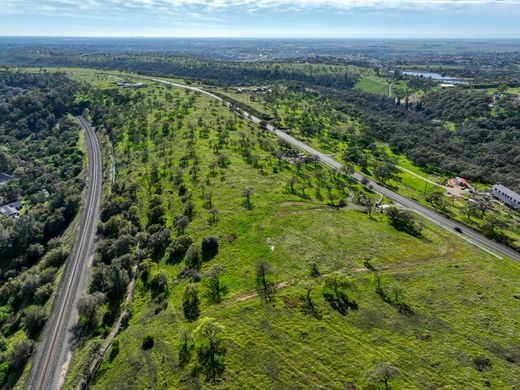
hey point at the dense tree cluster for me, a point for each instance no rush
(220, 73)
(116, 254)
(39, 148)
(482, 146)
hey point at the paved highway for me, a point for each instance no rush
(54, 352)
(470, 235)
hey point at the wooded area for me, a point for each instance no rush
(39, 148)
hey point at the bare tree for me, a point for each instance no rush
(313, 269)
(190, 302)
(291, 183)
(213, 212)
(383, 374)
(247, 194)
(185, 348)
(308, 306)
(264, 285)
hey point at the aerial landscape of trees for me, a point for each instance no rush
(227, 258)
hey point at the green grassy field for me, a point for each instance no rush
(464, 302)
(510, 90)
(373, 85)
(514, 91)
(291, 107)
(276, 346)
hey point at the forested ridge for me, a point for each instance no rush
(484, 145)
(211, 72)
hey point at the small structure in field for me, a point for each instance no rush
(459, 186)
(509, 197)
(128, 84)
(255, 90)
(11, 210)
(458, 182)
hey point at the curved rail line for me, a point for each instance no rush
(47, 370)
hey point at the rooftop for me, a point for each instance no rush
(11, 209)
(507, 191)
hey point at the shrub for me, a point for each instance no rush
(55, 257)
(34, 252)
(4, 371)
(43, 293)
(192, 258)
(209, 248)
(148, 343)
(20, 353)
(178, 248)
(481, 363)
(159, 283)
(115, 350)
(158, 242)
(33, 320)
(191, 274)
(405, 221)
(47, 275)
(29, 286)
(181, 222)
(125, 262)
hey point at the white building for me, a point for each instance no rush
(509, 197)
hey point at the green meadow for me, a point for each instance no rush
(461, 304)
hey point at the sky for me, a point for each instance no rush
(262, 18)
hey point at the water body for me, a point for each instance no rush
(435, 76)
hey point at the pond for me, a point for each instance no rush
(434, 76)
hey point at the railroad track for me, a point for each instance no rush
(54, 352)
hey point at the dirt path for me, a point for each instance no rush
(421, 177)
(93, 367)
(450, 251)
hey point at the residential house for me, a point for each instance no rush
(11, 210)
